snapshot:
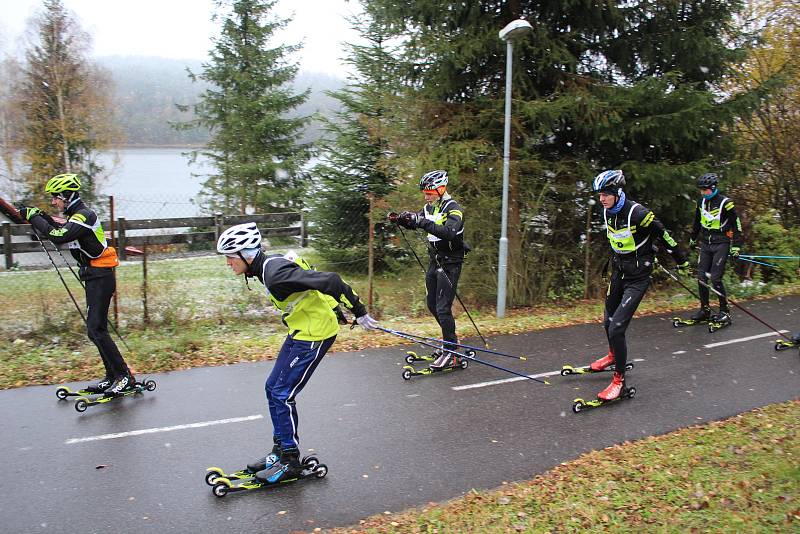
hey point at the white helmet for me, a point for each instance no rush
(238, 238)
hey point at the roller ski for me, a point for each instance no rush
(602, 365)
(719, 321)
(279, 471)
(444, 363)
(703, 316)
(615, 391)
(116, 391)
(412, 356)
(786, 344)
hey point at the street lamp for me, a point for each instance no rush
(513, 30)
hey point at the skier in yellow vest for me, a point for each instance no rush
(718, 230)
(307, 299)
(632, 232)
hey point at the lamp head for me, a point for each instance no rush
(514, 29)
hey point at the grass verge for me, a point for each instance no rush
(66, 356)
(737, 475)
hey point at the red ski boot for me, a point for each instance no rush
(614, 388)
(603, 362)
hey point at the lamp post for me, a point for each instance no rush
(513, 30)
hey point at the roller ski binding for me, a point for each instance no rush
(222, 483)
(702, 316)
(783, 344)
(455, 362)
(136, 388)
(719, 321)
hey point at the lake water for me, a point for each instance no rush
(153, 182)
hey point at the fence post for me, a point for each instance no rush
(7, 245)
(370, 267)
(146, 317)
(113, 244)
(121, 238)
(303, 231)
(218, 222)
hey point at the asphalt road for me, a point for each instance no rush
(389, 443)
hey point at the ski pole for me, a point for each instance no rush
(408, 244)
(433, 339)
(684, 286)
(770, 257)
(758, 262)
(78, 278)
(467, 356)
(64, 282)
(436, 259)
(707, 286)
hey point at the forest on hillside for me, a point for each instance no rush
(148, 90)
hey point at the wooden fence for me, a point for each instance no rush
(270, 224)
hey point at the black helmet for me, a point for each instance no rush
(708, 181)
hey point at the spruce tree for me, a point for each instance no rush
(254, 145)
(353, 156)
(597, 85)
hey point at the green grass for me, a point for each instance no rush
(737, 475)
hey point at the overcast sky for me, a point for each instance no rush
(183, 28)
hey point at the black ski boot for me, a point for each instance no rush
(719, 320)
(702, 315)
(121, 385)
(287, 468)
(100, 386)
(268, 460)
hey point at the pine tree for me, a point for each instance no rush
(254, 146)
(354, 156)
(65, 100)
(597, 85)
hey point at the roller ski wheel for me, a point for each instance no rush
(568, 370)
(579, 405)
(409, 371)
(222, 484)
(782, 344)
(136, 389)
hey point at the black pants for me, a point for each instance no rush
(98, 297)
(710, 269)
(625, 291)
(440, 296)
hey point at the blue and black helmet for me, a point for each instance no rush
(609, 182)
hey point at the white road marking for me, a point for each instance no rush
(164, 429)
(514, 379)
(742, 339)
(679, 352)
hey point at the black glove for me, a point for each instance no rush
(393, 217)
(27, 212)
(408, 219)
(340, 315)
